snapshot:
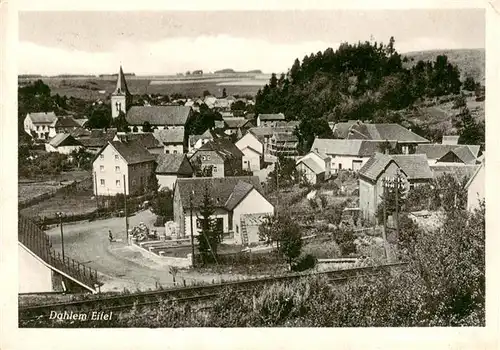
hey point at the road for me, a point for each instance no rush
(119, 266)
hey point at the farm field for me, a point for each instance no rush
(100, 88)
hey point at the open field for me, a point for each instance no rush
(101, 87)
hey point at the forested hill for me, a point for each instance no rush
(363, 81)
(470, 62)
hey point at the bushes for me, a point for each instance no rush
(306, 262)
(345, 240)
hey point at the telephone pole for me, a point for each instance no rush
(191, 222)
(62, 235)
(397, 205)
(384, 230)
(125, 209)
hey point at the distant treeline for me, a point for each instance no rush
(230, 70)
(116, 75)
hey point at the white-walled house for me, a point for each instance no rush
(37, 125)
(63, 143)
(346, 154)
(476, 188)
(118, 159)
(251, 159)
(251, 140)
(171, 167)
(196, 141)
(173, 140)
(314, 167)
(233, 199)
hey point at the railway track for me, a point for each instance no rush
(192, 293)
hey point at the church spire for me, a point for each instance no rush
(121, 84)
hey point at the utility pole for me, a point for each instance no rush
(125, 209)
(384, 230)
(277, 185)
(191, 222)
(62, 234)
(96, 190)
(397, 205)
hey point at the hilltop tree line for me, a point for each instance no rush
(363, 81)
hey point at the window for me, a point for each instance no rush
(103, 182)
(175, 151)
(214, 169)
(101, 156)
(101, 168)
(203, 158)
(208, 157)
(167, 151)
(118, 183)
(340, 166)
(117, 169)
(237, 229)
(116, 156)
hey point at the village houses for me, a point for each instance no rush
(196, 141)
(63, 144)
(412, 170)
(97, 139)
(221, 155)
(173, 140)
(449, 153)
(234, 198)
(147, 140)
(122, 166)
(270, 119)
(171, 167)
(406, 140)
(314, 167)
(346, 154)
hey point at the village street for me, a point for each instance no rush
(120, 266)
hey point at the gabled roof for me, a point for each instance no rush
(375, 166)
(341, 130)
(167, 136)
(132, 151)
(158, 115)
(225, 192)
(42, 117)
(270, 117)
(463, 153)
(147, 139)
(382, 132)
(63, 140)
(121, 84)
(79, 132)
(436, 151)
(206, 135)
(414, 166)
(313, 165)
(224, 147)
(473, 177)
(173, 164)
(359, 148)
(98, 137)
(235, 122)
(65, 122)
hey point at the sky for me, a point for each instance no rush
(169, 42)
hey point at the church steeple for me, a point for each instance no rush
(121, 84)
(121, 98)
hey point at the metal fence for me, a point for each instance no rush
(75, 269)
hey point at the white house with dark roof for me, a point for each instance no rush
(314, 166)
(173, 140)
(63, 143)
(233, 199)
(413, 170)
(346, 154)
(37, 125)
(120, 166)
(147, 140)
(171, 167)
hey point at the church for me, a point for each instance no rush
(139, 117)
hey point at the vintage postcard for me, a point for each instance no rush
(253, 168)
